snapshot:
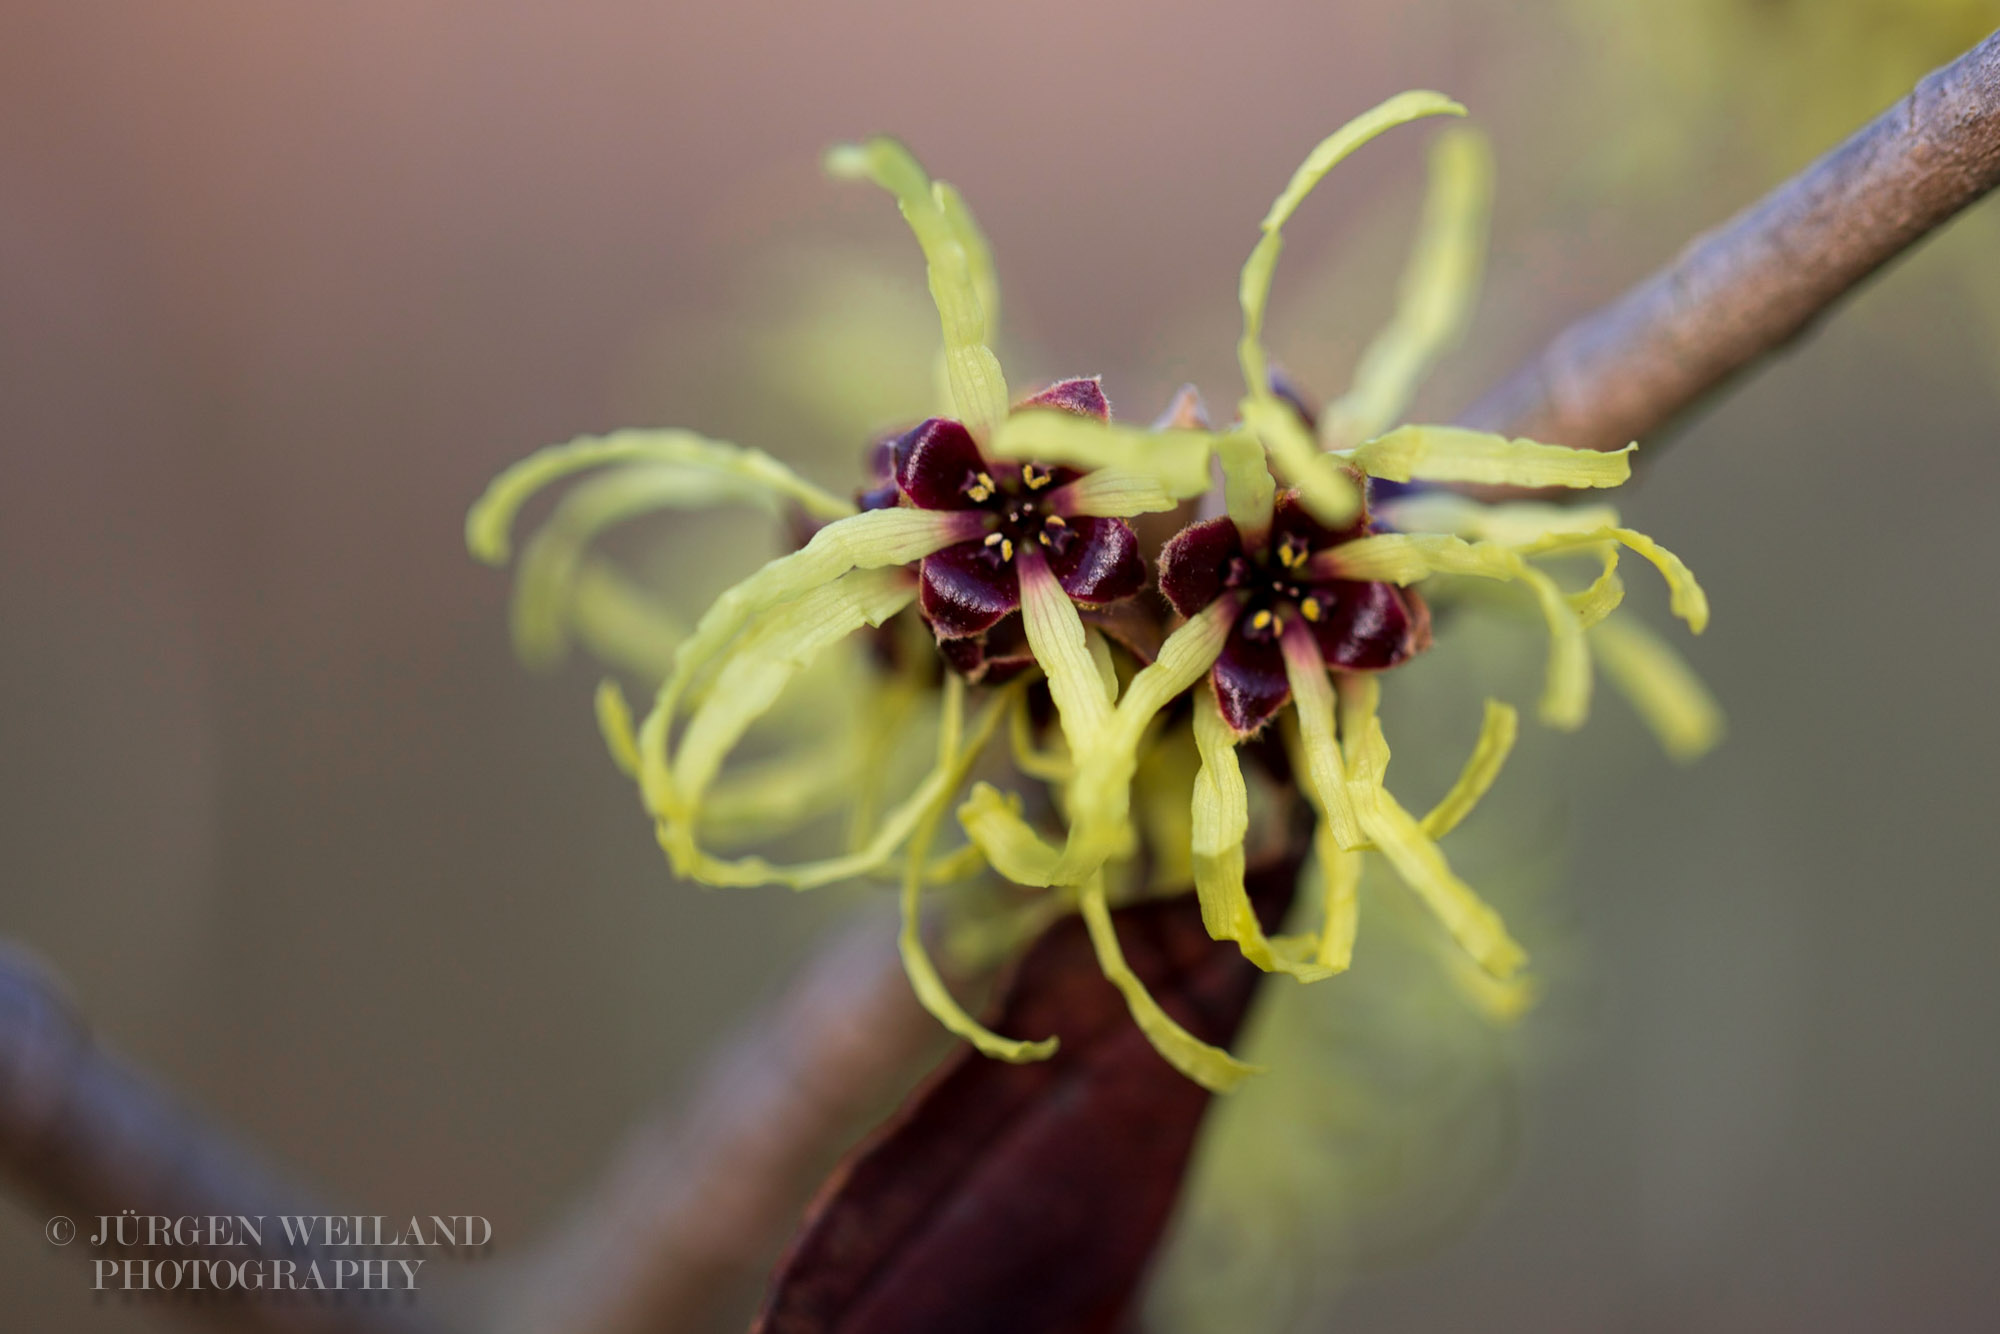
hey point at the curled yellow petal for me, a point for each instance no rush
(1247, 489)
(1684, 594)
(619, 621)
(1177, 459)
(1211, 1067)
(1322, 482)
(1664, 690)
(959, 265)
(492, 515)
(1323, 488)
(873, 540)
(992, 820)
(1055, 636)
(782, 644)
(1435, 302)
(1340, 895)
(552, 562)
(1489, 753)
(953, 761)
(1455, 454)
(1113, 493)
(614, 724)
(1422, 865)
(1604, 594)
(1254, 290)
(1221, 819)
(1318, 751)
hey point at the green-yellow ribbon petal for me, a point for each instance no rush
(1489, 754)
(1439, 286)
(872, 540)
(1322, 482)
(1322, 487)
(1248, 491)
(1419, 861)
(782, 644)
(1455, 454)
(492, 515)
(1605, 592)
(1211, 1067)
(614, 724)
(1113, 493)
(618, 621)
(1177, 458)
(1685, 596)
(1056, 638)
(1340, 895)
(1318, 749)
(1221, 816)
(1664, 690)
(954, 760)
(959, 266)
(545, 580)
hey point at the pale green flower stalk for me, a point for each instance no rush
(997, 532)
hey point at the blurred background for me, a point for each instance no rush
(282, 286)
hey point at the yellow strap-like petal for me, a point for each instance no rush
(1684, 593)
(543, 609)
(1340, 895)
(1664, 690)
(620, 621)
(992, 820)
(1322, 487)
(1440, 284)
(1489, 753)
(1221, 818)
(783, 643)
(1113, 493)
(953, 761)
(1605, 592)
(873, 540)
(1454, 454)
(614, 724)
(1211, 1067)
(1248, 491)
(1055, 636)
(1177, 459)
(1512, 523)
(492, 515)
(1318, 750)
(959, 266)
(1422, 865)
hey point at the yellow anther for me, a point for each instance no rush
(1291, 555)
(1055, 521)
(1006, 548)
(1310, 609)
(994, 539)
(1034, 478)
(981, 488)
(1261, 621)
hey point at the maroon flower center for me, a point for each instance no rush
(1270, 584)
(1021, 514)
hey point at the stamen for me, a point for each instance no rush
(1006, 548)
(994, 539)
(1310, 609)
(1034, 478)
(1261, 621)
(981, 488)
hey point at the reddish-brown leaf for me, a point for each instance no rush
(1009, 1198)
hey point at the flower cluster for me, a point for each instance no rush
(1008, 535)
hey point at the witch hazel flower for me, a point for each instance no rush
(997, 532)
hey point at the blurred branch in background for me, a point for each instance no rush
(1754, 284)
(697, 1201)
(85, 1137)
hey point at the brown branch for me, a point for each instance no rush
(1760, 280)
(84, 1137)
(697, 1201)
